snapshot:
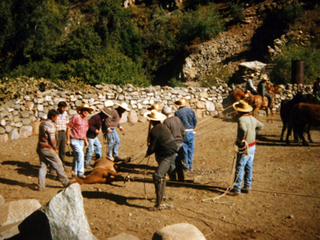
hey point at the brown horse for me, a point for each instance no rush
(258, 103)
(237, 94)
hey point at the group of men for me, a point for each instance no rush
(172, 140)
(57, 131)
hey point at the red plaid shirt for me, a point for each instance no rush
(78, 127)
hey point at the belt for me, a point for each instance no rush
(61, 130)
(188, 130)
(252, 144)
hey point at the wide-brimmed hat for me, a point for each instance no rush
(166, 110)
(242, 106)
(154, 106)
(108, 103)
(85, 107)
(106, 111)
(181, 102)
(124, 105)
(154, 115)
(264, 77)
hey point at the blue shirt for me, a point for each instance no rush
(187, 117)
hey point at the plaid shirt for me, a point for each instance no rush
(47, 138)
(62, 121)
(78, 127)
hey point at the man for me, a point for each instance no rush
(189, 121)
(164, 146)
(111, 122)
(248, 127)
(95, 124)
(249, 85)
(47, 151)
(316, 90)
(77, 138)
(177, 130)
(262, 90)
(61, 123)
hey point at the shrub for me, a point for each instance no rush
(237, 12)
(219, 73)
(290, 12)
(281, 72)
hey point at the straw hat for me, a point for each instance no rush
(154, 115)
(154, 106)
(181, 102)
(124, 105)
(166, 110)
(264, 77)
(242, 106)
(252, 75)
(84, 107)
(108, 103)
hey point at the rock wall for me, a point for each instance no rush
(19, 118)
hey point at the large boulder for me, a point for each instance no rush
(178, 231)
(61, 218)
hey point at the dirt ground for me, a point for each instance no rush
(284, 203)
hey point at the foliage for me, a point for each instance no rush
(173, 82)
(237, 12)
(290, 12)
(219, 74)
(281, 73)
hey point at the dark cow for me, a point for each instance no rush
(302, 115)
(285, 109)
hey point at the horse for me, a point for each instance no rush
(104, 171)
(285, 109)
(257, 102)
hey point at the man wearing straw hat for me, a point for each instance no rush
(164, 146)
(77, 138)
(95, 124)
(248, 127)
(111, 122)
(189, 121)
(262, 90)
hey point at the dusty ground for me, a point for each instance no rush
(284, 203)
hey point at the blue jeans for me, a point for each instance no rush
(113, 143)
(94, 145)
(244, 164)
(188, 146)
(78, 156)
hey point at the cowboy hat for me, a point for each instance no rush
(85, 107)
(106, 111)
(154, 115)
(264, 77)
(242, 106)
(108, 103)
(181, 102)
(124, 105)
(166, 110)
(154, 106)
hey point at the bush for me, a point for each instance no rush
(281, 72)
(290, 12)
(219, 73)
(237, 12)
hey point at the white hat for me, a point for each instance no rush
(166, 110)
(154, 115)
(124, 105)
(242, 106)
(108, 103)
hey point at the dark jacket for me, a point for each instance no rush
(176, 128)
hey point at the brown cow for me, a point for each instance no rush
(302, 115)
(103, 172)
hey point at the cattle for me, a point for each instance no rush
(104, 171)
(302, 115)
(285, 109)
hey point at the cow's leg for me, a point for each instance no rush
(308, 132)
(301, 128)
(284, 127)
(289, 132)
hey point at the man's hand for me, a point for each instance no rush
(109, 130)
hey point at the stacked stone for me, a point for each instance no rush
(19, 118)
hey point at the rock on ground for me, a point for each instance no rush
(178, 231)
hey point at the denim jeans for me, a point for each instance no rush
(78, 156)
(188, 146)
(113, 143)
(94, 145)
(244, 170)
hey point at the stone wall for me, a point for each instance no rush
(19, 118)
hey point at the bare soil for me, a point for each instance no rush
(284, 202)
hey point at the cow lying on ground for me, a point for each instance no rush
(104, 171)
(302, 115)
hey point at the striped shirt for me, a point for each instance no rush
(78, 127)
(47, 138)
(62, 121)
